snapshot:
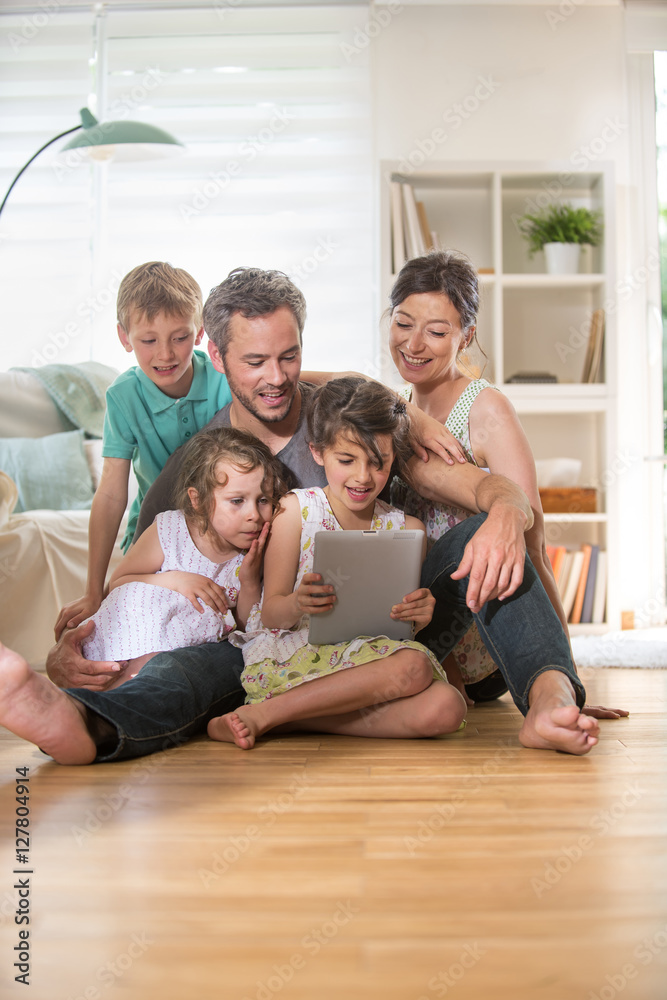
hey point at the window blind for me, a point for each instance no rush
(273, 106)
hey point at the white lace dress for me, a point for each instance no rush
(279, 659)
(139, 618)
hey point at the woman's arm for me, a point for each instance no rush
(499, 443)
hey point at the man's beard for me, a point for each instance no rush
(268, 415)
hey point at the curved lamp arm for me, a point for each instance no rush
(34, 157)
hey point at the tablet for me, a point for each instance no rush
(370, 571)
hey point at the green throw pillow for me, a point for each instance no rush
(50, 472)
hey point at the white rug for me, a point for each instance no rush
(637, 648)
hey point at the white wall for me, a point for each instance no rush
(542, 87)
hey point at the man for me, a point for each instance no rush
(254, 320)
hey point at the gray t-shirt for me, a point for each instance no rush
(301, 468)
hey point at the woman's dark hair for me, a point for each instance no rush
(444, 271)
(361, 410)
(198, 470)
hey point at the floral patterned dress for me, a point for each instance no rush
(470, 652)
(276, 660)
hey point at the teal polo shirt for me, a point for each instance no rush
(145, 425)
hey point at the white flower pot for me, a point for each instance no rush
(562, 258)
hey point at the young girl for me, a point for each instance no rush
(356, 429)
(193, 576)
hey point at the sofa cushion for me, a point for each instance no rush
(51, 473)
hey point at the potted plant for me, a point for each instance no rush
(561, 230)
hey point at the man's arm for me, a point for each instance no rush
(494, 556)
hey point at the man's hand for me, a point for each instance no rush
(75, 612)
(416, 607)
(67, 667)
(494, 557)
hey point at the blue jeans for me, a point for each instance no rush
(523, 633)
(168, 702)
(175, 694)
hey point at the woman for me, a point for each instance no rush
(434, 304)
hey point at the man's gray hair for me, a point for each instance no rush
(250, 292)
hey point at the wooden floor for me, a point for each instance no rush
(325, 867)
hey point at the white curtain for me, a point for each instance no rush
(273, 106)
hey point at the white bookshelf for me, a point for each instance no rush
(533, 321)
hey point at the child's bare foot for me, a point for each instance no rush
(554, 721)
(32, 707)
(235, 727)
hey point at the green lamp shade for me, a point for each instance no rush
(126, 140)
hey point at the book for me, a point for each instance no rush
(423, 225)
(572, 583)
(600, 595)
(559, 558)
(397, 235)
(564, 574)
(413, 235)
(532, 377)
(578, 604)
(593, 358)
(587, 606)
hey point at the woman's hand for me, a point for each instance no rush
(428, 434)
(600, 712)
(312, 596)
(196, 588)
(417, 607)
(250, 573)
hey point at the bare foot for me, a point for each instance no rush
(232, 728)
(31, 706)
(554, 721)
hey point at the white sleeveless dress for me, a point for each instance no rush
(279, 659)
(139, 618)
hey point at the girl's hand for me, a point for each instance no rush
(193, 586)
(428, 434)
(312, 596)
(417, 607)
(250, 573)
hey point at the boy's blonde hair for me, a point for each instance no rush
(158, 287)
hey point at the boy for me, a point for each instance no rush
(152, 409)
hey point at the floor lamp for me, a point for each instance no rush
(127, 140)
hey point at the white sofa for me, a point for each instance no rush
(43, 553)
